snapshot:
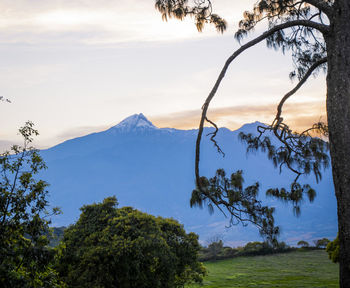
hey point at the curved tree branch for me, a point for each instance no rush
(321, 27)
(294, 144)
(297, 87)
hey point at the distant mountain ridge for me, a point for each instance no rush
(152, 169)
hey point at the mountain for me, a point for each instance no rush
(152, 169)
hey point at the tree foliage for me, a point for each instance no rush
(201, 10)
(123, 247)
(24, 256)
(242, 204)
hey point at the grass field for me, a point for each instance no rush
(292, 270)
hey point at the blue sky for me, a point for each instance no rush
(79, 66)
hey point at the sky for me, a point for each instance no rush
(75, 67)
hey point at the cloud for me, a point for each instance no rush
(293, 237)
(300, 116)
(90, 22)
(101, 22)
(81, 131)
(44, 143)
(181, 120)
(71, 134)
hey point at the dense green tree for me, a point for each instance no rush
(123, 247)
(24, 256)
(303, 243)
(333, 250)
(317, 32)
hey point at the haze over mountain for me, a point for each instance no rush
(152, 169)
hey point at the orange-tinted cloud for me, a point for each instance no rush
(298, 115)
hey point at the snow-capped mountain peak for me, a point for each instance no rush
(136, 121)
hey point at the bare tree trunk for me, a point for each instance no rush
(338, 110)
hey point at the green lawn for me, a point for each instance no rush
(295, 269)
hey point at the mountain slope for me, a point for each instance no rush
(152, 169)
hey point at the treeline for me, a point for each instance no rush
(217, 251)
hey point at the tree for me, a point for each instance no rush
(321, 243)
(215, 247)
(318, 34)
(216, 250)
(123, 247)
(303, 244)
(333, 250)
(24, 256)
